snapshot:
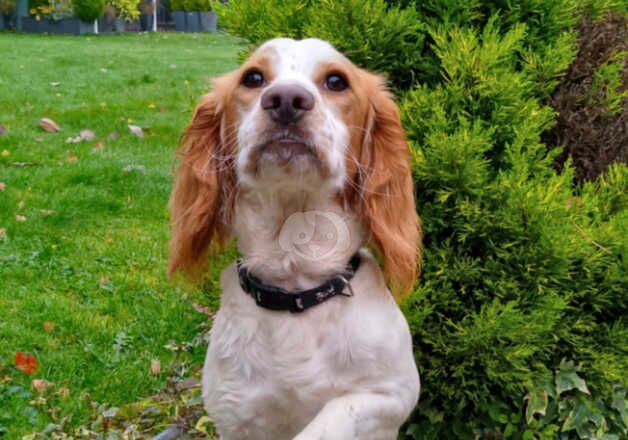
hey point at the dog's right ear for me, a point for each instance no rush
(202, 199)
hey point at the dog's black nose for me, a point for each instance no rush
(287, 103)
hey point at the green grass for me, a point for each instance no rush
(91, 255)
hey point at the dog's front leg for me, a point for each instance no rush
(363, 416)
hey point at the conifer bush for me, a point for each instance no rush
(519, 319)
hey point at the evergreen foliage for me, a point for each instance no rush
(88, 10)
(519, 319)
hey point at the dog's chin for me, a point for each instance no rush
(288, 156)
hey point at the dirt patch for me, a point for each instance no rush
(592, 132)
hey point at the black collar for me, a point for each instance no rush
(276, 298)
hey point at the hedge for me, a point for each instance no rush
(519, 319)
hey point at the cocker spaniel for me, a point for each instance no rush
(300, 156)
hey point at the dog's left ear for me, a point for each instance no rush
(387, 200)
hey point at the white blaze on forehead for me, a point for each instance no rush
(298, 59)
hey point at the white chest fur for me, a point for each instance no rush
(268, 374)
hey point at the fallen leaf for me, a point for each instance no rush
(151, 105)
(87, 135)
(20, 218)
(2, 186)
(113, 136)
(163, 109)
(155, 367)
(104, 280)
(103, 104)
(99, 145)
(49, 125)
(47, 212)
(3, 130)
(63, 392)
(49, 326)
(73, 140)
(3, 233)
(173, 66)
(26, 362)
(55, 84)
(72, 158)
(187, 384)
(203, 310)
(41, 385)
(39, 138)
(5, 153)
(137, 131)
(20, 205)
(103, 70)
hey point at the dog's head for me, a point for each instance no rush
(297, 115)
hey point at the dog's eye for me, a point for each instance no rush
(335, 82)
(253, 79)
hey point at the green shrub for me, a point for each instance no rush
(260, 20)
(521, 270)
(176, 5)
(88, 10)
(195, 5)
(524, 273)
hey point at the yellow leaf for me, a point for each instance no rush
(5, 153)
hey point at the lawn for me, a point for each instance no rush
(84, 226)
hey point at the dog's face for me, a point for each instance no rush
(297, 115)
(298, 102)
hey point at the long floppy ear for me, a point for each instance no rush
(388, 206)
(202, 200)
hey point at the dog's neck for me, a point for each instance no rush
(295, 238)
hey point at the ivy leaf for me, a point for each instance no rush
(567, 378)
(619, 403)
(580, 416)
(537, 404)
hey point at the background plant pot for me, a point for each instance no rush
(72, 26)
(208, 21)
(179, 20)
(119, 25)
(192, 21)
(146, 22)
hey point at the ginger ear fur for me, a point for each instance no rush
(387, 202)
(201, 202)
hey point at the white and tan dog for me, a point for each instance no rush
(300, 155)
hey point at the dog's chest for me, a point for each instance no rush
(277, 369)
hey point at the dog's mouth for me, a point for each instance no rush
(285, 148)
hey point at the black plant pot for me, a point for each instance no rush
(72, 26)
(146, 22)
(208, 21)
(192, 21)
(119, 25)
(179, 20)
